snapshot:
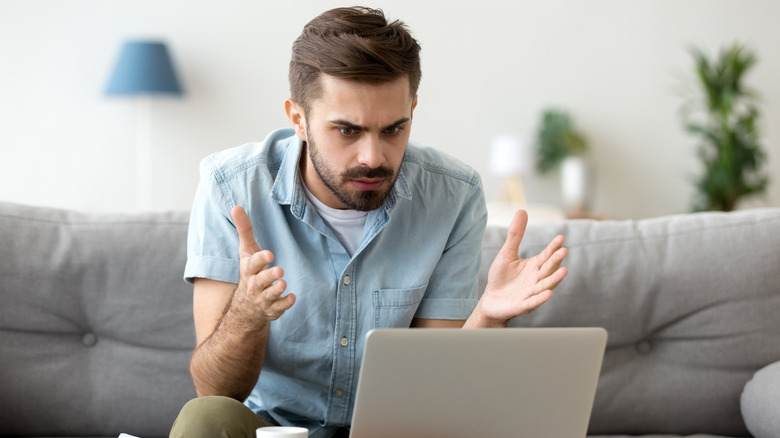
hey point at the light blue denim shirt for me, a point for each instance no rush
(419, 258)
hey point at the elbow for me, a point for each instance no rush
(207, 385)
(205, 390)
(209, 392)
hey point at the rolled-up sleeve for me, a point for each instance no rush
(452, 290)
(212, 240)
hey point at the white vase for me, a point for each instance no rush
(576, 184)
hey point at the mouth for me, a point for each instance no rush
(367, 184)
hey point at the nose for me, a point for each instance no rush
(370, 153)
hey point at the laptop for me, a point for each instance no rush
(510, 382)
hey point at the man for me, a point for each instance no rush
(343, 226)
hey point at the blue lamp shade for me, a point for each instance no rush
(144, 67)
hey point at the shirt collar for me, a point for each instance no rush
(288, 187)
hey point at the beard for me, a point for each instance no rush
(361, 200)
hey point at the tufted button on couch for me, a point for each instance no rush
(96, 322)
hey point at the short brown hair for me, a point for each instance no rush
(356, 44)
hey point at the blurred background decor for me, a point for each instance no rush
(603, 60)
(560, 145)
(143, 70)
(724, 115)
(511, 159)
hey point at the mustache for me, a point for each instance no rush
(367, 172)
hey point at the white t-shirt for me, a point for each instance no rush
(346, 224)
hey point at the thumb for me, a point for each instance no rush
(514, 235)
(246, 238)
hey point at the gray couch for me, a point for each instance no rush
(96, 325)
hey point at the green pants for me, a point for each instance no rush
(216, 417)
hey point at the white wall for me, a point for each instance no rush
(488, 67)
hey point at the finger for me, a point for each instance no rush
(555, 244)
(533, 302)
(552, 281)
(246, 238)
(257, 262)
(266, 278)
(273, 303)
(514, 235)
(272, 293)
(553, 263)
(282, 305)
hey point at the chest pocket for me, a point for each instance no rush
(396, 307)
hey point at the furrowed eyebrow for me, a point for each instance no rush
(347, 124)
(397, 123)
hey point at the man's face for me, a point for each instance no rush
(356, 136)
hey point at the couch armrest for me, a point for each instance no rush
(760, 402)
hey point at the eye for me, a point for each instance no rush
(393, 130)
(347, 132)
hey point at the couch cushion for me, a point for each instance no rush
(690, 303)
(95, 322)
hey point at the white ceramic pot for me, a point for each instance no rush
(576, 184)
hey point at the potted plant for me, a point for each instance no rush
(724, 116)
(559, 144)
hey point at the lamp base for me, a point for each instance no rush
(513, 191)
(143, 154)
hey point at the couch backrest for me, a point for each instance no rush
(95, 322)
(691, 304)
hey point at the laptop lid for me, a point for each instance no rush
(510, 382)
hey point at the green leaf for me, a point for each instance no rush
(727, 126)
(557, 139)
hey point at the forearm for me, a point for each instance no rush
(231, 343)
(228, 362)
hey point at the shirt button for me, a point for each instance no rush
(346, 279)
(344, 342)
(339, 392)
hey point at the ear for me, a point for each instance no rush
(297, 118)
(414, 104)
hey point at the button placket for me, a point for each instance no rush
(344, 360)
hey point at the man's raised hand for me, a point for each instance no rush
(517, 286)
(260, 288)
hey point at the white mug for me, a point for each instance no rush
(282, 432)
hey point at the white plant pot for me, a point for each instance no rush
(576, 184)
